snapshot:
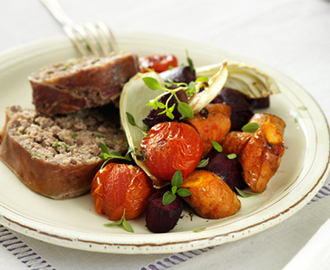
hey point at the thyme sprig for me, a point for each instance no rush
(122, 222)
(183, 108)
(107, 155)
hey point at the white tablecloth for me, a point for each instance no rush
(288, 35)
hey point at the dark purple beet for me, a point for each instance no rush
(230, 170)
(240, 109)
(179, 74)
(162, 218)
(154, 117)
(258, 103)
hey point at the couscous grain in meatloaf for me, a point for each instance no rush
(57, 156)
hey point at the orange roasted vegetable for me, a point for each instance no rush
(261, 156)
(235, 141)
(212, 123)
(211, 197)
(120, 186)
(261, 118)
(172, 146)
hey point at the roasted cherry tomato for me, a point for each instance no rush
(157, 62)
(120, 186)
(170, 147)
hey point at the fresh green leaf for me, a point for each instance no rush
(185, 110)
(245, 194)
(127, 226)
(177, 179)
(232, 156)
(217, 146)
(130, 119)
(74, 135)
(183, 192)
(153, 104)
(174, 189)
(116, 223)
(115, 154)
(190, 62)
(122, 222)
(168, 197)
(202, 79)
(203, 163)
(251, 127)
(161, 105)
(104, 148)
(199, 230)
(169, 114)
(152, 83)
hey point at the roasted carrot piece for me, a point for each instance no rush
(212, 123)
(235, 141)
(211, 197)
(261, 156)
(261, 118)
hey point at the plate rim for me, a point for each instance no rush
(47, 236)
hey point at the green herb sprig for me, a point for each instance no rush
(183, 108)
(107, 155)
(218, 147)
(122, 222)
(245, 194)
(131, 120)
(176, 182)
(251, 127)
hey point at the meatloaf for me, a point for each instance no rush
(57, 156)
(77, 84)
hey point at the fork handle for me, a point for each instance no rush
(56, 10)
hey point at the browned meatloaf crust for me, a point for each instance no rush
(70, 86)
(57, 156)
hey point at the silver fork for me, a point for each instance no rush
(89, 38)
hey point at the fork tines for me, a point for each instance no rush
(92, 38)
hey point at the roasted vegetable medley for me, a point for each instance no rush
(194, 141)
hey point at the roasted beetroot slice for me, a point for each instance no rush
(179, 74)
(162, 218)
(259, 103)
(240, 108)
(230, 170)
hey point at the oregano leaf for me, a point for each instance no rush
(177, 179)
(152, 83)
(185, 110)
(183, 192)
(217, 146)
(168, 197)
(251, 127)
(203, 163)
(232, 156)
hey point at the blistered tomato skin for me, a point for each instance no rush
(157, 62)
(120, 186)
(170, 147)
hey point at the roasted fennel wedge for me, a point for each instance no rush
(136, 95)
(245, 78)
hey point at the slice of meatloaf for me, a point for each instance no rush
(57, 156)
(88, 82)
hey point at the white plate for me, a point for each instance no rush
(74, 223)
